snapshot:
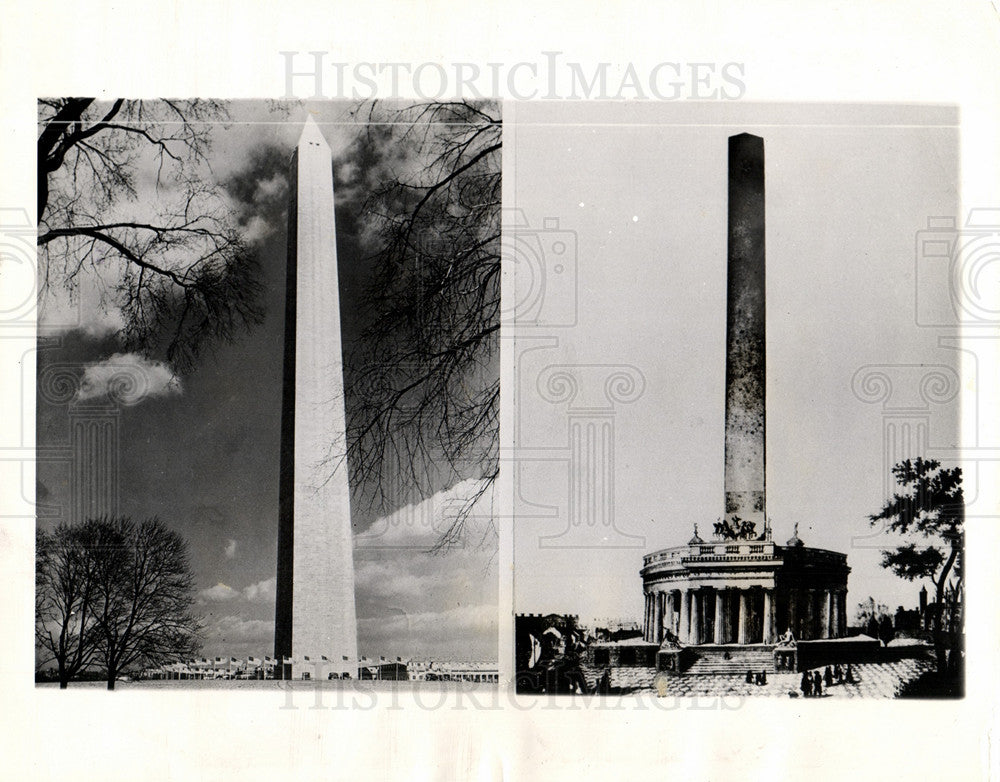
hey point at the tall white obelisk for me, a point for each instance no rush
(315, 612)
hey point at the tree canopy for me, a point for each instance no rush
(126, 198)
(930, 506)
(115, 593)
(425, 384)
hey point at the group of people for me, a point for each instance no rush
(756, 678)
(813, 681)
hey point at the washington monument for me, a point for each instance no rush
(315, 624)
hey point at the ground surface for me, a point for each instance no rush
(873, 680)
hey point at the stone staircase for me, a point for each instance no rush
(712, 660)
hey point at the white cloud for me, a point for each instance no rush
(261, 591)
(463, 632)
(232, 632)
(256, 230)
(269, 188)
(230, 549)
(218, 593)
(129, 378)
(412, 602)
(420, 525)
(89, 307)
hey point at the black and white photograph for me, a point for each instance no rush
(736, 441)
(448, 391)
(268, 389)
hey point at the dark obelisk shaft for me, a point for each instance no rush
(745, 353)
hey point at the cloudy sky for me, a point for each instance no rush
(200, 450)
(638, 194)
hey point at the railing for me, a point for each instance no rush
(713, 551)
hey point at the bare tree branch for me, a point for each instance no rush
(423, 379)
(125, 196)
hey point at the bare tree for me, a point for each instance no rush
(114, 593)
(142, 596)
(125, 196)
(424, 381)
(64, 622)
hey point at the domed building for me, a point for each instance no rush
(743, 590)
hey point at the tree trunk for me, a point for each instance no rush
(942, 663)
(63, 676)
(112, 675)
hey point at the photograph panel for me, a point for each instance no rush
(268, 384)
(734, 446)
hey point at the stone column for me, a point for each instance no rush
(741, 627)
(793, 611)
(834, 606)
(768, 622)
(645, 620)
(682, 630)
(671, 613)
(824, 613)
(842, 631)
(809, 613)
(658, 617)
(745, 331)
(718, 617)
(695, 616)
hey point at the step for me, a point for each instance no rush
(712, 660)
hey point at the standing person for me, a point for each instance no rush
(817, 684)
(762, 679)
(850, 674)
(806, 684)
(828, 676)
(749, 677)
(838, 673)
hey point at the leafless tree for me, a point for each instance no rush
(125, 196)
(424, 383)
(64, 622)
(121, 590)
(143, 594)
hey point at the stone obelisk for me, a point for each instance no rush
(315, 612)
(745, 353)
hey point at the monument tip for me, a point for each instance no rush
(311, 134)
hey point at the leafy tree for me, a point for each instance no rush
(132, 593)
(424, 380)
(932, 507)
(126, 199)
